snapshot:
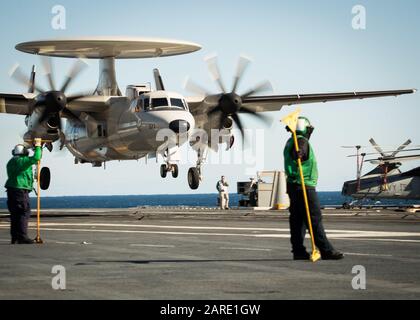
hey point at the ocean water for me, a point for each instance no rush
(201, 200)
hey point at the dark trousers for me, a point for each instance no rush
(299, 222)
(20, 211)
(253, 198)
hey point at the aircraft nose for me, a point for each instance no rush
(179, 126)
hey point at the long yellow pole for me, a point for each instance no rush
(315, 253)
(38, 209)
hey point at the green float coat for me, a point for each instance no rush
(19, 171)
(309, 167)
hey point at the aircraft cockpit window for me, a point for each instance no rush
(178, 103)
(159, 102)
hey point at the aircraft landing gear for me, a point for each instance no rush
(194, 178)
(175, 171)
(165, 168)
(194, 173)
(45, 178)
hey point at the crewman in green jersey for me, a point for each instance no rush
(19, 184)
(298, 218)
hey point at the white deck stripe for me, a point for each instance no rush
(367, 254)
(358, 237)
(151, 245)
(249, 249)
(379, 239)
(65, 242)
(341, 233)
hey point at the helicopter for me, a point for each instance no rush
(386, 180)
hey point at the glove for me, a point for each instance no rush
(297, 155)
(37, 142)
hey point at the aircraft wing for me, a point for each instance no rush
(95, 104)
(275, 103)
(90, 104)
(18, 103)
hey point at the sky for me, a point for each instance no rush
(299, 46)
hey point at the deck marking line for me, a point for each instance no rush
(249, 249)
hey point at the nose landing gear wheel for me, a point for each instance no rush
(163, 170)
(193, 178)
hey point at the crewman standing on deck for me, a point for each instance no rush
(19, 184)
(298, 218)
(222, 186)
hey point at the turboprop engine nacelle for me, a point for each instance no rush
(47, 129)
(228, 123)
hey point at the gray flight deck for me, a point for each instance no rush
(173, 253)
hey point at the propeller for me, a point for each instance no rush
(53, 102)
(225, 106)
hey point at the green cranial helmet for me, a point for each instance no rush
(304, 127)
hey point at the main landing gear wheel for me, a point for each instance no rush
(175, 171)
(163, 170)
(193, 178)
(45, 178)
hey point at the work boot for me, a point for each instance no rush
(301, 256)
(332, 255)
(25, 241)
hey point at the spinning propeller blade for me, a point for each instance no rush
(52, 103)
(227, 105)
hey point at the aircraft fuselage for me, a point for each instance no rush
(127, 130)
(398, 185)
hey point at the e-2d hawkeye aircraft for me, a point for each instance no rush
(105, 125)
(386, 180)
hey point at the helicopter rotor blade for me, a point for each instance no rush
(377, 147)
(402, 147)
